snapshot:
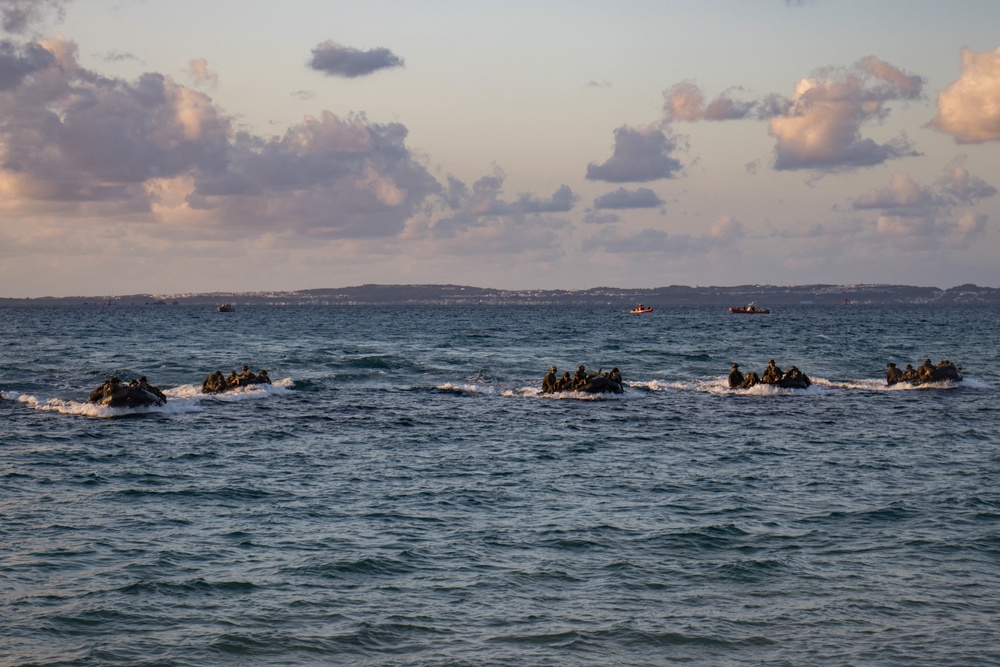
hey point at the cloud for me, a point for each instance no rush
(924, 232)
(839, 230)
(726, 107)
(904, 225)
(722, 234)
(962, 186)
(201, 75)
(922, 214)
(954, 188)
(72, 135)
(623, 199)
(536, 236)
(328, 177)
(595, 218)
(726, 229)
(336, 60)
(819, 126)
(484, 198)
(968, 108)
(902, 193)
(19, 61)
(118, 57)
(646, 241)
(641, 154)
(822, 128)
(159, 151)
(482, 206)
(686, 102)
(970, 223)
(17, 16)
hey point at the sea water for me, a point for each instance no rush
(403, 494)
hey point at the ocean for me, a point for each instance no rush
(403, 494)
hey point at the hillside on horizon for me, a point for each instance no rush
(375, 294)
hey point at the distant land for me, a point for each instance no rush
(443, 295)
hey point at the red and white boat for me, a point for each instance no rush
(750, 309)
(639, 308)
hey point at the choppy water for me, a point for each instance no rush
(403, 495)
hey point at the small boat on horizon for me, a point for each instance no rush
(640, 308)
(750, 309)
(227, 308)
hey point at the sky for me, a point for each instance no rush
(177, 147)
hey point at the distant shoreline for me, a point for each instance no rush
(443, 295)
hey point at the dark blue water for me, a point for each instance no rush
(403, 495)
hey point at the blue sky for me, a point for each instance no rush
(192, 147)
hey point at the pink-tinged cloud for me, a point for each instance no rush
(905, 225)
(328, 177)
(969, 109)
(69, 134)
(902, 192)
(157, 150)
(905, 204)
(822, 126)
(335, 59)
(919, 215)
(726, 229)
(686, 102)
(970, 223)
(201, 75)
(921, 231)
(640, 154)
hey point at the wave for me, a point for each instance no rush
(535, 392)
(880, 385)
(181, 399)
(467, 389)
(720, 385)
(252, 391)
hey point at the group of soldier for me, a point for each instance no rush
(552, 384)
(112, 391)
(793, 377)
(216, 383)
(926, 372)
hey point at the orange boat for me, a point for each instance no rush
(750, 309)
(639, 308)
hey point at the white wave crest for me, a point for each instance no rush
(87, 409)
(468, 388)
(535, 392)
(720, 385)
(181, 399)
(249, 392)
